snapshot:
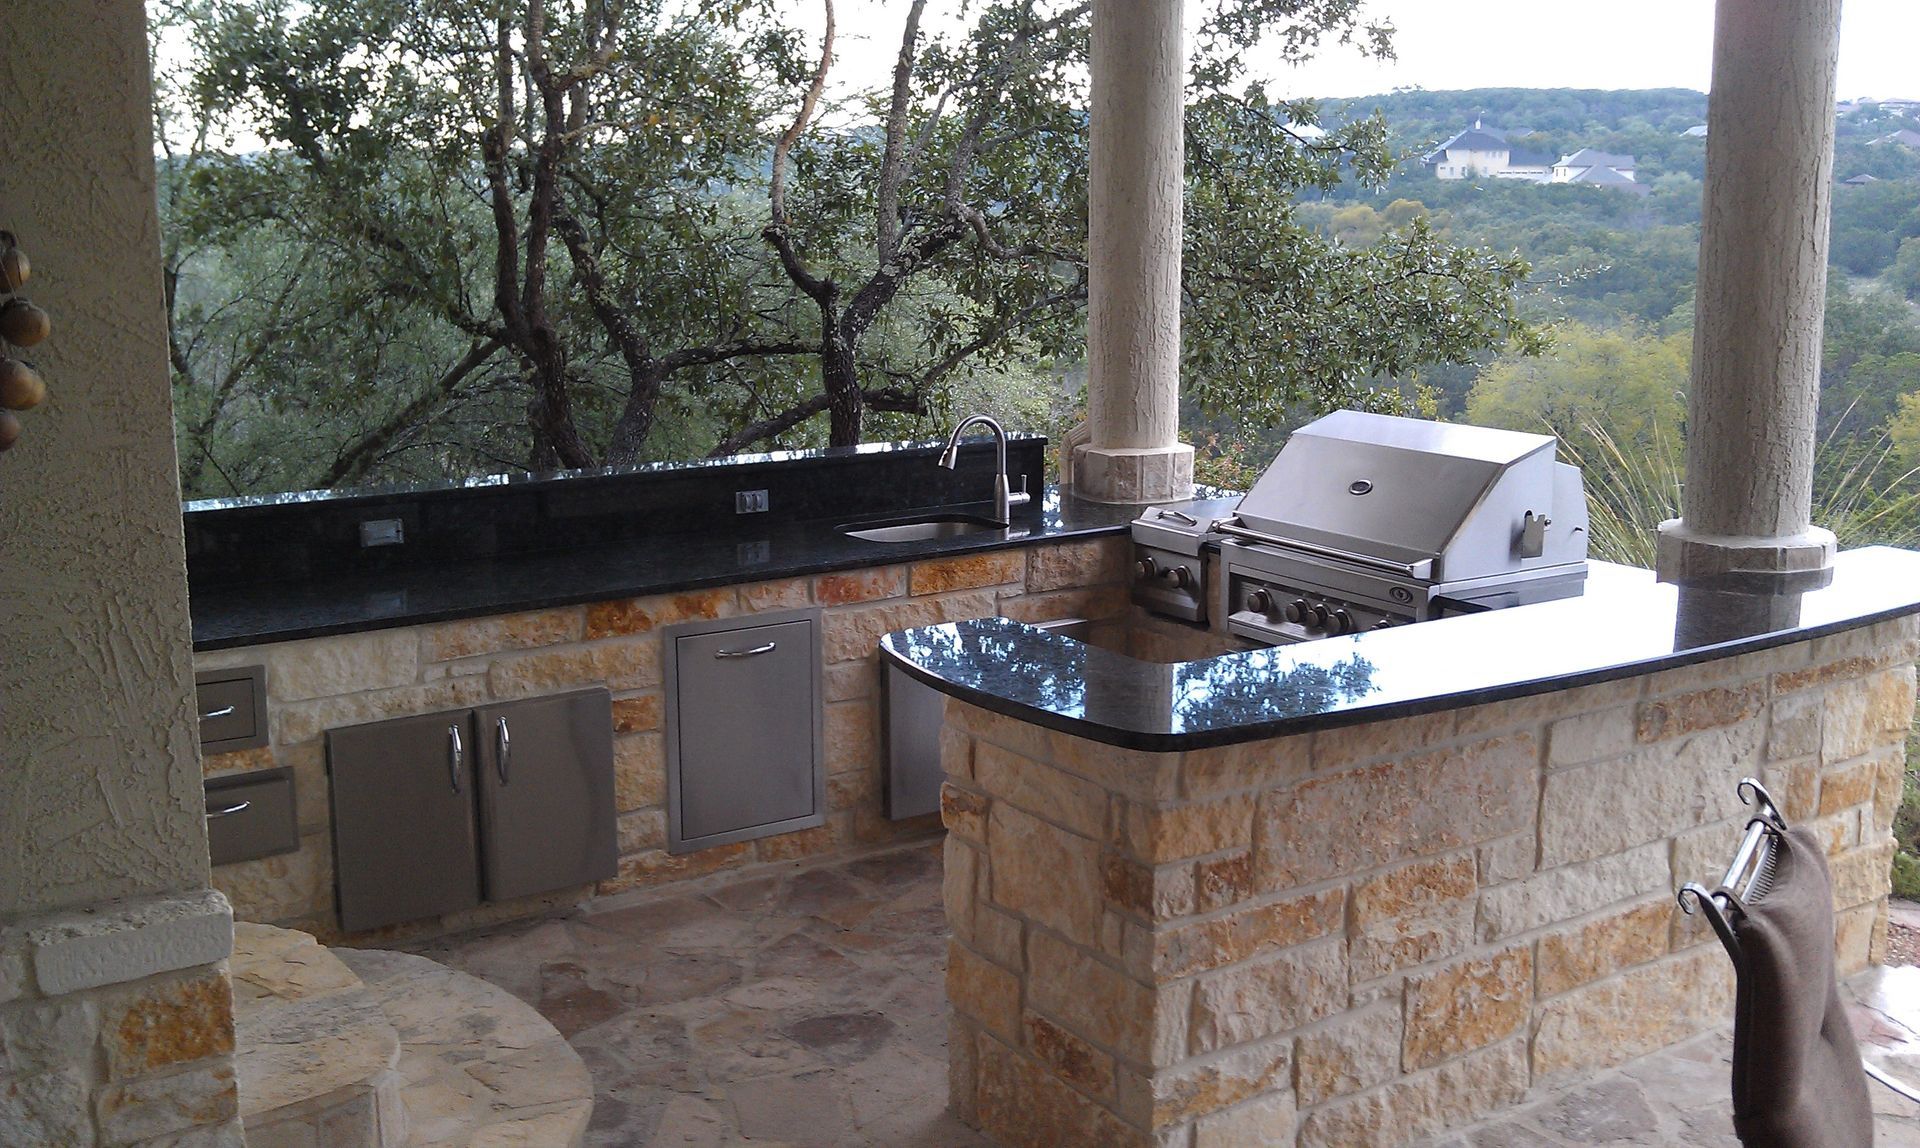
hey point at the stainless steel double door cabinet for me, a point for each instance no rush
(743, 729)
(432, 814)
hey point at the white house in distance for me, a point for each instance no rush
(1483, 151)
(1475, 151)
(1590, 166)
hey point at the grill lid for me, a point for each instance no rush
(1413, 491)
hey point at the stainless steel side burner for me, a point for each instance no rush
(1170, 566)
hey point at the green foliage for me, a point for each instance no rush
(548, 235)
(1869, 223)
(1628, 383)
(1906, 875)
(1905, 273)
(1903, 429)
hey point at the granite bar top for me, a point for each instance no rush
(229, 616)
(1625, 624)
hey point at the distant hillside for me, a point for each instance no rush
(1645, 124)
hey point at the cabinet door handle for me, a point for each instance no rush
(223, 711)
(506, 748)
(230, 810)
(454, 754)
(766, 649)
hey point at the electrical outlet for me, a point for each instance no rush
(753, 553)
(749, 502)
(381, 532)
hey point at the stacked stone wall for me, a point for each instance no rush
(324, 683)
(116, 1026)
(1366, 935)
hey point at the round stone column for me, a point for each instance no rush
(1133, 247)
(1760, 297)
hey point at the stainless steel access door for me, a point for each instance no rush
(546, 794)
(743, 732)
(403, 826)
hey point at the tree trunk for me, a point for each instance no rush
(846, 407)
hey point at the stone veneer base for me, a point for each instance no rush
(1369, 934)
(318, 684)
(116, 1025)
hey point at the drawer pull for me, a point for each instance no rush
(766, 649)
(223, 711)
(506, 749)
(230, 810)
(454, 753)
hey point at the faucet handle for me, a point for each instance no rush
(1019, 497)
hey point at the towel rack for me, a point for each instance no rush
(1752, 864)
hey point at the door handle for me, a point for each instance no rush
(223, 711)
(454, 754)
(230, 810)
(766, 649)
(506, 749)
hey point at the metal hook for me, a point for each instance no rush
(1750, 791)
(1721, 927)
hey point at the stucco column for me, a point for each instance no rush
(1133, 247)
(111, 944)
(1760, 297)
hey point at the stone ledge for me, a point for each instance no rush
(119, 942)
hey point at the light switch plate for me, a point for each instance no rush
(382, 532)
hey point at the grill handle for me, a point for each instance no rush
(1419, 569)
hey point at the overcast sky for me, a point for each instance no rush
(1446, 44)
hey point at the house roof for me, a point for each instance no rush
(1906, 137)
(1473, 139)
(1697, 131)
(1861, 180)
(1608, 177)
(1530, 159)
(1588, 157)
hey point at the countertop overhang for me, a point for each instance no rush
(1625, 624)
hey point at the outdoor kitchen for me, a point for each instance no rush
(993, 791)
(1409, 852)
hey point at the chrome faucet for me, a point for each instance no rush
(1004, 499)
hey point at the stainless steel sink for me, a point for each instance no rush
(923, 529)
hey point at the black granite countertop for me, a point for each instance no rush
(228, 616)
(1625, 624)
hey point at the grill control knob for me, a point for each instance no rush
(1342, 622)
(1299, 611)
(1147, 567)
(1383, 624)
(1318, 615)
(1260, 602)
(1180, 576)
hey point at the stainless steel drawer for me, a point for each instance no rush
(251, 815)
(232, 706)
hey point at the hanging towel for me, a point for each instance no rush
(1797, 1080)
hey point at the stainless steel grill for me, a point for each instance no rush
(1367, 521)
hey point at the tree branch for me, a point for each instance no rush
(887, 210)
(777, 184)
(890, 399)
(356, 460)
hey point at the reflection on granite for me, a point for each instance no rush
(1626, 623)
(227, 616)
(523, 477)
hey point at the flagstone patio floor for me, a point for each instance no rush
(805, 1007)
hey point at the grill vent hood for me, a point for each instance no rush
(1448, 499)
